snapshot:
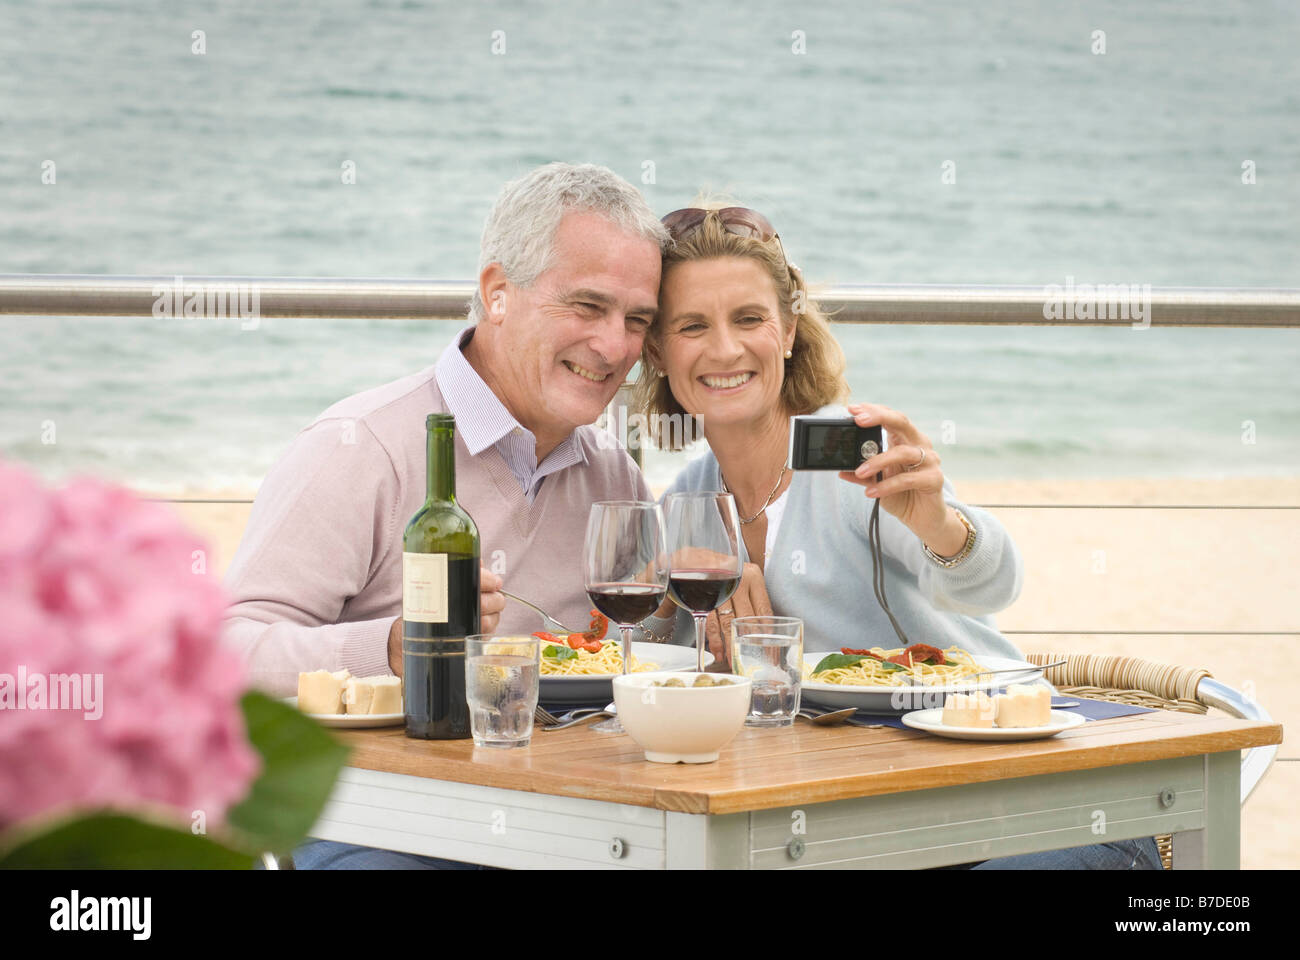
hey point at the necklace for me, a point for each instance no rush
(780, 476)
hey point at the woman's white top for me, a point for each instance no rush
(774, 511)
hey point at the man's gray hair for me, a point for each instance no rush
(520, 231)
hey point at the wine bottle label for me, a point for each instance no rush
(424, 587)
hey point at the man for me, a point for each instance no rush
(568, 285)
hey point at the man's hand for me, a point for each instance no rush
(395, 647)
(749, 600)
(491, 601)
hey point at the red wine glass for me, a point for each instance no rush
(625, 569)
(704, 555)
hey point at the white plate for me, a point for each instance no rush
(597, 688)
(894, 701)
(931, 721)
(354, 721)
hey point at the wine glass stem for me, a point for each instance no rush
(626, 630)
(699, 642)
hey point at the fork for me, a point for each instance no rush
(1028, 669)
(552, 624)
(572, 721)
(550, 720)
(544, 717)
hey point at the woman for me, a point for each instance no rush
(738, 342)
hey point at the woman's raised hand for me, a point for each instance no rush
(912, 484)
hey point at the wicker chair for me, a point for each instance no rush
(1160, 686)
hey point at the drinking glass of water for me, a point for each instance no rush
(769, 650)
(501, 683)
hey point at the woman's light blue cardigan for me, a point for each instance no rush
(820, 570)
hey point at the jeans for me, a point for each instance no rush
(1140, 854)
(329, 855)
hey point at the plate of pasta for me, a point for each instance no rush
(581, 675)
(895, 681)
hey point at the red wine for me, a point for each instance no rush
(440, 598)
(700, 591)
(626, 602)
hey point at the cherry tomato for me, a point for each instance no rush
(599, 625)
(922, 652)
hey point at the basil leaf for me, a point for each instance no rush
(560, 653)
(836, 660)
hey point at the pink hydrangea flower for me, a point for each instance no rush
(107, 596)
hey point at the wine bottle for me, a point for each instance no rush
(440, 601)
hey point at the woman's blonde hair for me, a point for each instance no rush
(814, 375)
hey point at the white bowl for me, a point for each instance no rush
(681, 724)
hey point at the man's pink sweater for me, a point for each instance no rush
(317, 580)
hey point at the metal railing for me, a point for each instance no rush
(287, 297)
(277, 297)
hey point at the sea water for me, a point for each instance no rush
(902, 143)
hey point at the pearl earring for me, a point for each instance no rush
(789, 354)
(662, 374)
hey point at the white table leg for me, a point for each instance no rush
(1216, 846)
(698, 842)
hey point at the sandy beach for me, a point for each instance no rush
(1225, 577)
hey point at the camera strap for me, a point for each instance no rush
(878, 571)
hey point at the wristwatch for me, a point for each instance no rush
(965, 550)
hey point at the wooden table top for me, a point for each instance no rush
(764, 768)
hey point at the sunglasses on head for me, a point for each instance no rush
(741, 221)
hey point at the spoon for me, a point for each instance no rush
(552, 624)
(829, 719)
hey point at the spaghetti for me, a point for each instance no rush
(585, 663)
(876, 670)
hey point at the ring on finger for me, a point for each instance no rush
(918, 463)
(727, 611)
